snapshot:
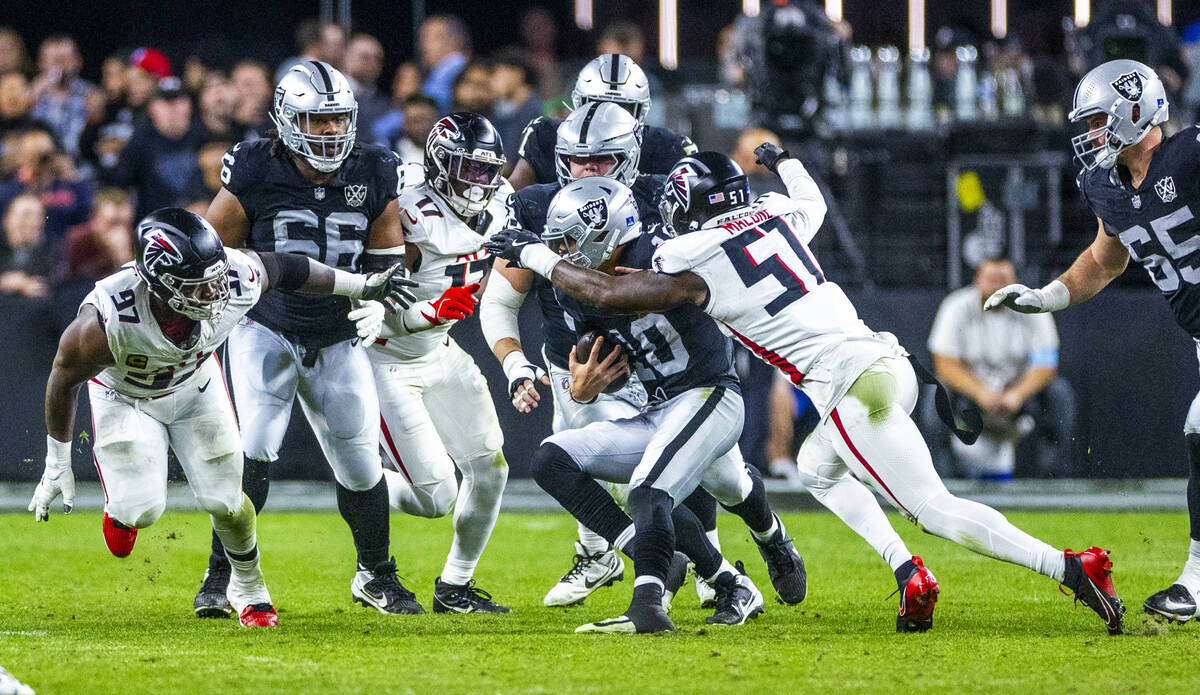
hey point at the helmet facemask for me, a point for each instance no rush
(325, 153)
(200, 299)
(467, 181)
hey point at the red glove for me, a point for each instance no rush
(455, 304)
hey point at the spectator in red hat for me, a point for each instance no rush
(102, 141)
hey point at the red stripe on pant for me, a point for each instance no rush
(387, 436)
(837, 420)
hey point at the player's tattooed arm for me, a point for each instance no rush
(228, 217)
(634, 292)
(82, 353)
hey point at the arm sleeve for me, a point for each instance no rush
(285, 271)
(803, 191)
(499, 309)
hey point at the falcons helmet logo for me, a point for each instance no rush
(160, 251)
(679, 183)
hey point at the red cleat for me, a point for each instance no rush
(118, 537)
(917, 600)
(259, 615)
(1089, 575)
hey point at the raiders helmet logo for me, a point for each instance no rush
(356, 194)
(595, 213)
(1129, 86)
(678, 180)
(160, 251)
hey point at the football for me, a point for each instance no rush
(583, 350)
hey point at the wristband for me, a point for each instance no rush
(540, 259)
(58, 453)
(1055, 296)
(348, 284)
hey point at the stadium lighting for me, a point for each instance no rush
(916, 25)
(668, 33)
(1083, 12)
(750, 8)
(583, 14)
(1164, 12)
(833, 10)
(999, 18)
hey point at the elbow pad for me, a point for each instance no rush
(499, 309)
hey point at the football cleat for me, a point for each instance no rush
(738, 600)
(706, 593)
(463, 598)
(1175, 603)
(211, 601)
(259, 615)
(379, 588)
(785, 566)
(117, 536)
(676, 576)
(641, 619)
(590, 572)
(918, 596)
(9, 685)
(1089, 575)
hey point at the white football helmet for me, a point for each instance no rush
(311, 88)
(1116, 88)
(616, 78)
(595, 130)
(590, 217)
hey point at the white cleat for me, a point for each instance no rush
(590, 572)
(738, 600)
(9, 685)
(706, 593)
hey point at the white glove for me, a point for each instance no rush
(57, 478)
(368, 320)
(1052, 297)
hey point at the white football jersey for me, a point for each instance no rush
(452, 254)
(767, 289)
(148, 363)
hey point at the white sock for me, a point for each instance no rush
(857, 507)
(648, 579)
(475, 512)
(776, 524)
(1190, 577)
(623, 539)
(592, 542)
(725, 567)
(714, 538)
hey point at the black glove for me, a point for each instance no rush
(508, 244)
(769, 156)
(390, 287)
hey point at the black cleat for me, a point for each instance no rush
(785, 566)
(381, 589)
(1175, 603)
(463, 598)
(676, 576)
(738, 600)
(642, 618)
(211, 601)
(1089, 575)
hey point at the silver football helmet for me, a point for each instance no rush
(596, 130)
(616, 78)
(1116, 88)
(590, 217)
(309, 89)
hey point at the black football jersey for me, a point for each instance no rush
(1156, 222)
(327, 223)
(660, 148)
(529, 206)
(671, 352)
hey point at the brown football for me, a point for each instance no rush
(583, 349)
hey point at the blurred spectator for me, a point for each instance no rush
(42, 169)
(444, 47)
(100, 246)
(25, 256)
(210, 163)
(62, 99)
(761, 180)
(316, 40)
(406, 82)
(13, 57)
(112, 77)
(729, 62)
(791, 417)
(627, 39)
(420, 113)
(539, 35)
(253, 88)
(473, 90)
(363, 65)
(516, 102)
(105, 137)
(1005, 363)
(160, 160)
(217, 101)
(16, 105)
(195, 74)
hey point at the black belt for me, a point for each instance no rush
(972, 421)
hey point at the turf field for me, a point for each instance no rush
(75, 620)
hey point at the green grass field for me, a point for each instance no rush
(73, 619)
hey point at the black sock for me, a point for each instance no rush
(704, 506)
(691, 540)
(366, 513)
(577, 492)
(256, 483)
(651, 509)
(754, 510)
(647, 593)
(1193, 488)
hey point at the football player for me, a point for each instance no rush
(1143, 212)
(312, 189)
(435, 407)
(747, 264)
(613, 78)
(142, 340)
(599, 139)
